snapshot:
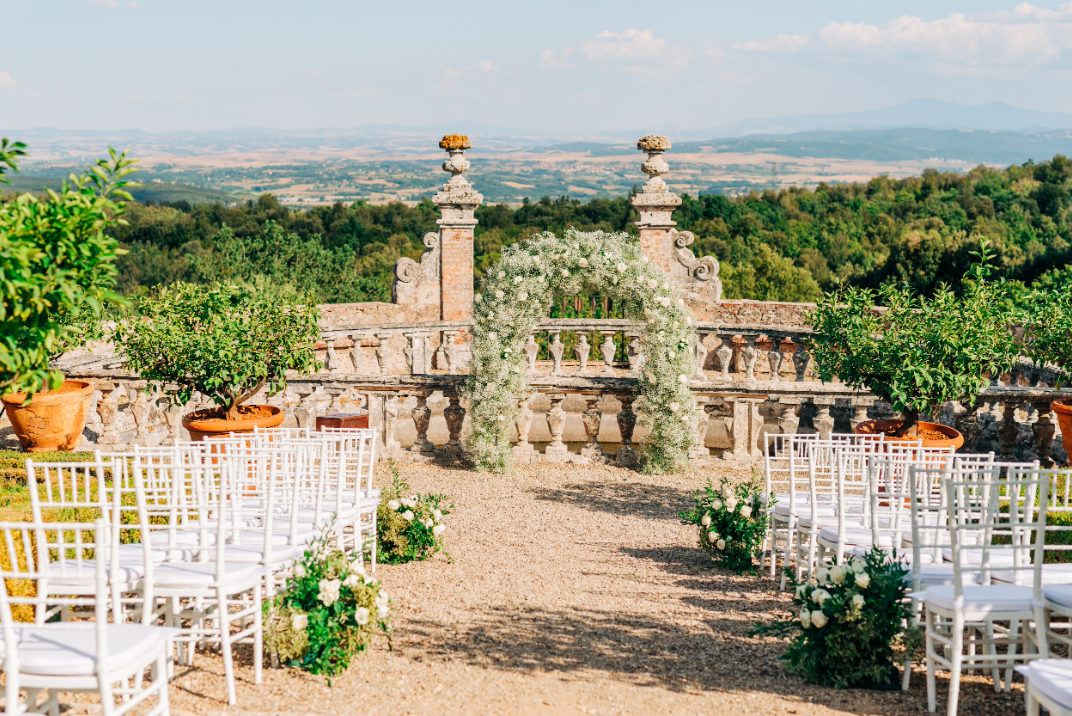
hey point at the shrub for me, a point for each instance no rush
(225, 341)
(1048, 329)
(409, 528)
(848, 624)
(330, 611)
(58, 266)
(731, 522)
(918, 353)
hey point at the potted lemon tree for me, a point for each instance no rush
(1048, 334)
(915, 352)
(58, 267)
(225, 341)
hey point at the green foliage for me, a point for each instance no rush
(848, 625)
(9, 157)
(57, 263)
(769, 277)
(918, 353)
(224, 341)
(1048, 329)
(409, 528)
(732, 522)
(330, 611)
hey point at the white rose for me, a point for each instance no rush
(857, 600)
(716, 504)
(712, 536)
(298, 622)
(731, 503)
(523, 296)
(407, 515)
(799, 591)
(652, 284)
(582, 262)
(394, 504)
(746, 512)
(299, 571)
(493, 336)
(621, 268)
(357, 568)
(614, 280)
(382, 612)
(837, 574)
(706, 520)
(438, 515)
(818, 619)
(683, 379)
(721, 544)
(858, 565)
(502, 274)
(499, 294)
(361, 615)
(518, 279)
(438, 530)
(862, 580)
(805, 618)
(819, 596)
(536, 260)
(823, 575)
(351, 581)
(329, 591)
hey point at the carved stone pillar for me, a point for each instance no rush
(450, 350)
(725, 357)
(747, 423)
(555, 347)
(332, 364)
(701, 356)
(656, 203)
(1044, 430)
(801, 360)
(523, 450)
(775, 357)
(608, 354)
(457, 202)
(390, 422)
(454, 414)
(532, 349)
(556, 423)
(627, 455)
(355, 354)
(591, 419)
(383, 353)
(422, 415)
(635, 355)
(824, 421)
(789, 422)
(749, 354)
(699, 450)
(1008, 429)
(582, 350)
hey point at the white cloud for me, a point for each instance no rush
(7, 81)
(628, 45)
(1024, 36)
(551, 59)
(110, 4)
(485, 66)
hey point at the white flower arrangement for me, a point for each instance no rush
(577, 263)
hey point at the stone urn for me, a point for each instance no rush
(53, 419)
(952, 436)
(212, 423)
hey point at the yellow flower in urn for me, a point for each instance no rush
(454, 141)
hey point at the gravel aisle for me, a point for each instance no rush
(573, 590)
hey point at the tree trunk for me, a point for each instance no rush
(910, 427)
(232, 407)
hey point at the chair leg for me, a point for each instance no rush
(160, 678)
(223, 609)
(258, 637)
(991, 649)
(956, 664)
(1014, 633)
(932, 683)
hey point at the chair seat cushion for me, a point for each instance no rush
(984, 601)
(71, 649)
(176, 575)
(801, 508)
(995, 557)
(1059, 594)
(1051, 574)
(254, 554)
(855, 536)
(940, 574)
(85, 575)
(1051, 677)
(831, 521)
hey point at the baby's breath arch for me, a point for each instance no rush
(516, 296)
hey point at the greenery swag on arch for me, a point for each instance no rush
(517, 295)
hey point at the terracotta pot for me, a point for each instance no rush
(53, 420)
(1063, 408)
(202, 425)
(880, 426)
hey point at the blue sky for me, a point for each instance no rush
(559, 66)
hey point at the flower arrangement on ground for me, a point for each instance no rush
(330, 611)
(517, 295)
(849, 624)
(409, 526)
(731, 521)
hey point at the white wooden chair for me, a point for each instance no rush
(72, 656)
(1048, 685)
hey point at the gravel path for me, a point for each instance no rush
(573, 590)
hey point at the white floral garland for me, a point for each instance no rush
(517, 295)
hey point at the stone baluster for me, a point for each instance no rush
(699, 449)
(592, 418)
(417, 353)
(556, 348)
(383, 353)
(775, 358)
(789, 421)
(701, 356)
(971, 424)
(1008, 429)
(627, 455)
(862, 405)
(556, 450)
(390, 422)
(823, 421)
(747, 423)
(750, 355)
(724, 353)
(608, 354)
(523, 450)
(1044, 430)
(422, 415)
(450, 350)
(582, 350)
(454, 414)
(332, 364)
(355, 353)
(635, 355)
(801, 360)
(532, 349)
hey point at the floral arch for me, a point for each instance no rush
(517, 295)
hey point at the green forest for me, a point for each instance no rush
(787, 245)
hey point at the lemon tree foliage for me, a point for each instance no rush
(517, 294)
(225, 341)
(1049, 328)
(57, 267)
(918, 353)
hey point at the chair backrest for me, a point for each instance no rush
(75, 491)
(1058, 497)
